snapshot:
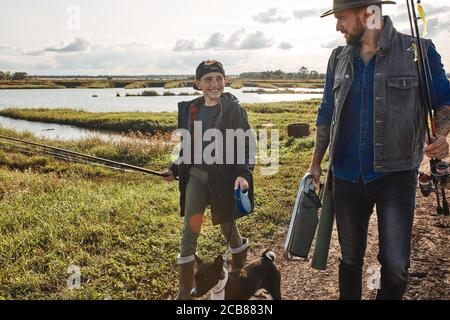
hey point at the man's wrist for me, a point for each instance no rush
(314, 164)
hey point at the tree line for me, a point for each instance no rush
(7, 75)
(303, 74)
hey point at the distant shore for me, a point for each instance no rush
(154, 122)
(88, 83)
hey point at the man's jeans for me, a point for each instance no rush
(394, 196)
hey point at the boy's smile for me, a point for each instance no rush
(212, 84)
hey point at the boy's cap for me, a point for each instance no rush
(206, 67)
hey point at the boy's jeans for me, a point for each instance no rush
(197, 194)
(394, 197)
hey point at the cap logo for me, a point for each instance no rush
(212, 62)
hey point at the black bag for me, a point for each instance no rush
(304, 221)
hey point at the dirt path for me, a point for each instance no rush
(430, 261)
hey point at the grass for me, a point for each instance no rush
(141, 84)
(189, 94)
(280, 113)
(146, 93)
(117, 121)
(61, 83)
(150, 93)
(145, 84)
(282, 91)
(178, 84)
(122, 229)
(237, 84)
(29, 85)
(118, 229)
(275, 84)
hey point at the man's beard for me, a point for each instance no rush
(355, 39)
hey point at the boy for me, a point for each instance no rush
(202, 183)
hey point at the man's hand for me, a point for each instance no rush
(439, 149)
(316, 172)
(168, 175)
(320, 147)
(241, 183)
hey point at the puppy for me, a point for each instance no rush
(237, 285)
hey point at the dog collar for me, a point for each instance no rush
(218, 292)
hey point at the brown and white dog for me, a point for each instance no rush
(237, 285)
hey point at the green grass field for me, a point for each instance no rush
(122, 229)
(279, 114)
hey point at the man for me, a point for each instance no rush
(370, 116)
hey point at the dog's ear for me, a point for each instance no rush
(198, 260)
(219, 262)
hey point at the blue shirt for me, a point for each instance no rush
(354, 156)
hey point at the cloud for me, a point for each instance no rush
(10, 50)
(285, 46)
(34, 52)
(256, 41)
(271, 15)
(101, 60)
(437, 26)
(333, 44)
(5, 48)
(78, 44)
(307, 13)
(9, 65)
(112, 57)
(185, 45)
(239, 40)
(437, 18)
(236, 38)
(216, 40)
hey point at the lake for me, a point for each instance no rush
(57, 131)
(108, 102)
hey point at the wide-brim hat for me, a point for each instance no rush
(341, 5)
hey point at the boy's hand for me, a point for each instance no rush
(241, 183)
(438, 149)
(168, 175)
(316, 172)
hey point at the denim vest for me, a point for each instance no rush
(399, 130)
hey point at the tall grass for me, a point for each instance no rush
(121, 229)
(281, 113)
(115, 121)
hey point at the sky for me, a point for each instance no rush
(136, 37)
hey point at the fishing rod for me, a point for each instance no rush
(417, 46)
(436, 181)
(57, 156)
(69, 155)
